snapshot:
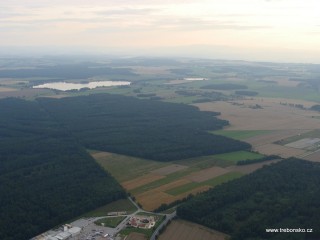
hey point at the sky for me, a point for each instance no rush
(276, 30)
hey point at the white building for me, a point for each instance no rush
(63, 235)
(74, 231)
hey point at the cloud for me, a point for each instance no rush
(128, 11)
(203, 24)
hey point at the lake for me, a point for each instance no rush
(64, 86)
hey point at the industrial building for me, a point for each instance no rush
(65, 234)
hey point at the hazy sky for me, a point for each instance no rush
(265, 29)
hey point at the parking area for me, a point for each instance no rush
(91, 231)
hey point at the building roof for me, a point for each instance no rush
(74, 230)
(63, 235)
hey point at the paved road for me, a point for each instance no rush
(89, 226)
(135, 204)
(165, 222)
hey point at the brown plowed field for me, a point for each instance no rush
(194, 191)
(136, 236)
(273, 136)
(169, 169)
(183, 230)
(151, 200)
(140, 181)
(207, 174)
(272, 116)
(282, 151)
(314, 157)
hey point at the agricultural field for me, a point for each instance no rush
(153, 183)
(184, 230)
(6, 89)
(310, 134)
(241, 134)
(279, 150)
(314, 157)
(262, 114)
(27, 93)
(136, 236)
(269, 124)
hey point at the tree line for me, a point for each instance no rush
(282, 195)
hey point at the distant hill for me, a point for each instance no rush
(283, 195)
(67, 71)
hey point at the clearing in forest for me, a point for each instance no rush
(154, 183)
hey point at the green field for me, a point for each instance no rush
(116, 206)
(125, 168)
(235, 157)
(239, 134)
(110, 221)
(211, 182)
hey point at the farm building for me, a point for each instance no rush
(142, 222)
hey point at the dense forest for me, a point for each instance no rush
(141, 128)
(67, 71)
(315, 108)
(46, 175)
(283, 195)
(225, 86)
(246, 93)
(46, 178)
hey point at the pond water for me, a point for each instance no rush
(195, 79)
(64, 86)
